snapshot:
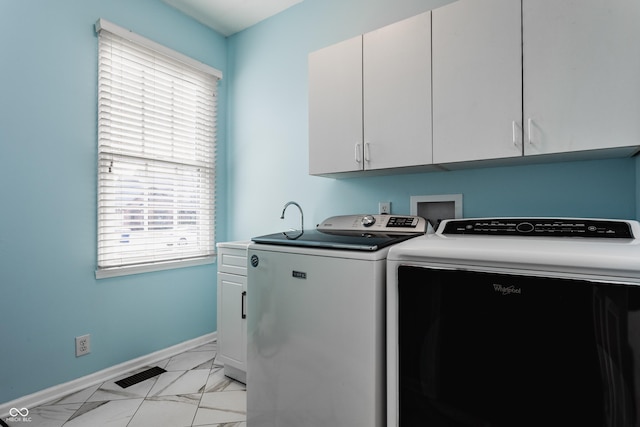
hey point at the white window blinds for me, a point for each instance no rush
(156, 155)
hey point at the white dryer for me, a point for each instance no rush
(519, 322)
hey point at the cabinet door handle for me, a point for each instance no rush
(513, 131)
(357, 152)
(529, 127)
(242, 309)
(367, 154)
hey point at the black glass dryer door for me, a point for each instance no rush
(481, 349)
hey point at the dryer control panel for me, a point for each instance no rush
(548, 227)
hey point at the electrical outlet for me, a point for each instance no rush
(83, 345)
(384, 208)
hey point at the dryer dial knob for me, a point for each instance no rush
(368, 220)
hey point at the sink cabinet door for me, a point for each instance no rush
(232, 323)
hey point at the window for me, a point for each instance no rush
(156, 155)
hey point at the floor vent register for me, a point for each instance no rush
(140, 376)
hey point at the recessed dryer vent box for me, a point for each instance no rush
(437, 207)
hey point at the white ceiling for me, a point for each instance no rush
(230, 16)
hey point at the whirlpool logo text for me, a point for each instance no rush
(506, 290)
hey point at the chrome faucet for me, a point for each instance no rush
(301, 220)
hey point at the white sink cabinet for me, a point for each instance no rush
(232, 322)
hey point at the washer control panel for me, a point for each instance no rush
(395, 224)
(554, 227)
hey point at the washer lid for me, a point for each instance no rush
(334, 240)
(354, 232)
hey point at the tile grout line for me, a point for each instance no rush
(156, 378)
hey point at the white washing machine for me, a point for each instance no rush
(517, 322)
(315, 313)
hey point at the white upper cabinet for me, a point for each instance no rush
(581, 75)
(477, 81)
(370, 100)
(480, 80)
(397, 94)
(335, 108)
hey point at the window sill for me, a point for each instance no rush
(147, 268)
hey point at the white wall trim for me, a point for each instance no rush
(61, 390)
(103, 273)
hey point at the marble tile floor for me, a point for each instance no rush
(193, 392)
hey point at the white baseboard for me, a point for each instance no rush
(61, 390)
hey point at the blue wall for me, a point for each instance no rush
(48, 175)
(48, 291)
(268, 138)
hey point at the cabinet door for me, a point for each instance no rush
(581, 74)
(477, 81)
(335, 108)
(397, 94)
(232, 328)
